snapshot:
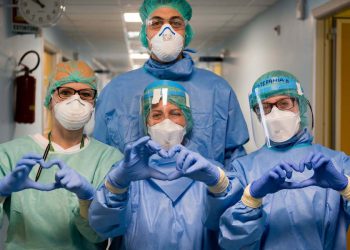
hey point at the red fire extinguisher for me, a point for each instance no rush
(25, 92)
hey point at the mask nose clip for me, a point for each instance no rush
(165, 28)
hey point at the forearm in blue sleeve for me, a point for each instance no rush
(242, 227)
(217, 204)
(108, 213)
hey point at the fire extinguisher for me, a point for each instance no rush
(25, 92)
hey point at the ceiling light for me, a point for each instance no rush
(132, 17)
(139, 56)
(133, 34)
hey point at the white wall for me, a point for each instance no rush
(257, 49)
(12, 48)
(7, 64)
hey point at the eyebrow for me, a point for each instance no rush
(277, 100)
(157, 110)
(165, 18)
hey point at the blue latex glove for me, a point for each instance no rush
(193, 165)
(71, 180)
(18, 179)
(325, 174)
(134, 166)
(274, 180)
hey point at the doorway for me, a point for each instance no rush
(332, 88)
(332, 81)
(50, 58)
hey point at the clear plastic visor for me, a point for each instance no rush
(278, 119)
(164, 103)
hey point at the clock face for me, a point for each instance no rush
(41, 13)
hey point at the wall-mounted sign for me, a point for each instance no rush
(19, 25)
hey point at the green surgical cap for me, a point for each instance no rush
(68, 72)
(149, 6)
(276, 83)
(176, 95)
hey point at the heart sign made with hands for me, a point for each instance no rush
(193, 165)
(71, 180)
(19, 179)
(325, 175)
(135, 166)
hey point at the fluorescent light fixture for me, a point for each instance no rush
(139, 56)
(133, 34)
(132, 17)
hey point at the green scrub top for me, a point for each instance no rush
(51, 220)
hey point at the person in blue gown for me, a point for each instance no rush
(219, 129)
(163, 195)
(297, 193)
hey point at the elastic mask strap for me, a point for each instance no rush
(312, 114)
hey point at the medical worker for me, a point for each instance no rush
(297, 193)
(219, 129)
(157, 199)
(75, 166)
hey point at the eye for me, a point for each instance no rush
(86, 94)
(156, 115)
(155, 23)
(285, 103)
(65, 92)
(177, 23)
(176, 113)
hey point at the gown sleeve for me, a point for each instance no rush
(6, 167)
(109, 213)
(346, 169)
(217, 204)
(241, 227)
(107, 159)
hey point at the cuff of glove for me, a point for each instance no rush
(346, 192)
(115, 190)
(222, 184)
(248, 200)
(84, 208)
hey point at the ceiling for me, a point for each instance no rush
(99, 30)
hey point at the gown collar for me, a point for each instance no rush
(177, 70)
(303, 138)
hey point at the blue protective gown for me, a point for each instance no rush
(162, 215)
(219, 127)
(311, 218)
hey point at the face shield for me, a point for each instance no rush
(279, 113)
(166, 113)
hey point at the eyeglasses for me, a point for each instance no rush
(283, 104)
(85, 94)
(155, 23)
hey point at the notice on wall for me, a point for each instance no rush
(19, 25)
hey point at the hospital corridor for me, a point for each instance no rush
(174, 124)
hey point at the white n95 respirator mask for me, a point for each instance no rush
(167, 133)
(282, 125)
(73, 113)
(167, 44)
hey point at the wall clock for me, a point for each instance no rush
(41, 13)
